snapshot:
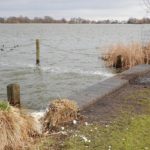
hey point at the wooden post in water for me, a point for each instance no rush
(119, 62)
(13, 94)
(37, 52)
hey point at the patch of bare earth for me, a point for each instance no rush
(111, 106)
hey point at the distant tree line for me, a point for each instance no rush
(139, 21)
(48, 19)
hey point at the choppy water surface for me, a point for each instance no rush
(69, 58)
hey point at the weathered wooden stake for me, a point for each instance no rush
(37, 51)
(119, 62)
(13, 94)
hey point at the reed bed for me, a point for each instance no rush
(127, 56)
(16, 128)
(60, 112)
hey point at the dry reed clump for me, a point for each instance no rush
(60, 112)
(127, 56)
(16, 129)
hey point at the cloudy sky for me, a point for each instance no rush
(90, 9)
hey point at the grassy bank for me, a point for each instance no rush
(129, 131)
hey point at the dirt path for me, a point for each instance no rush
(109, 107)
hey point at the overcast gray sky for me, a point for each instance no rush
(90, 9)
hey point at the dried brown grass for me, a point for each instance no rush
(131, 55)
(60, 112)
(16, 129)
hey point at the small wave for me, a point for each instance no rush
(17, 65)
(4, 64)
(82, 72)
(101, 73)
(57, 70)
(29, 65)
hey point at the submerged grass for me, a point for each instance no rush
(127, 56)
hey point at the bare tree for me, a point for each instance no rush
(147, 4)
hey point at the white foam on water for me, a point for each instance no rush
(101, 73)
(22, 65)
(38, 114)
(77, 71)
(58, 70)
(30, 65)
(4, 64)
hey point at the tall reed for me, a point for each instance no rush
(130, 55)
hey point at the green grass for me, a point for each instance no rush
(140, 98)
(125, 134)
(4, 106)
(46, 143)
(140, 95)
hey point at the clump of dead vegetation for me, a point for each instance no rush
(16, 128)
(60, 112)
(127, 56)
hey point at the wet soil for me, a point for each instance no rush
(111, 106)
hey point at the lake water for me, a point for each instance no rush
(69, 58)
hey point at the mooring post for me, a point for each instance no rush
(13, 94)
(37, 51)
(119, 62)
